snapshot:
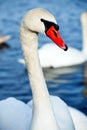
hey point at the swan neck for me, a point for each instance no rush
(42, 109)
(29, 42)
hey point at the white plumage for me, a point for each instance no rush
(46, 112)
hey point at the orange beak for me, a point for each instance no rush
(53, 34)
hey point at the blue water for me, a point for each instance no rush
(68, 83)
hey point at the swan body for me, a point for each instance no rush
(45, 112)
(51, 56)
(58, 58)
(15, 114)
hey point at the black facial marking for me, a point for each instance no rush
(48, 24)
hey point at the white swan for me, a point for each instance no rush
(51, 56)
(49, 112)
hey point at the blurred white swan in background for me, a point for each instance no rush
(46, 112)
(3, 39)
(51, 56)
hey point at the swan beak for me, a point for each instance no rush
(54, 35)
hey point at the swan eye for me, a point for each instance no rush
(42, 20)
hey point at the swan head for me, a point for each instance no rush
(41, 21)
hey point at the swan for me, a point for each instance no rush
(3, 39)
(44, 112)
(51, 56)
